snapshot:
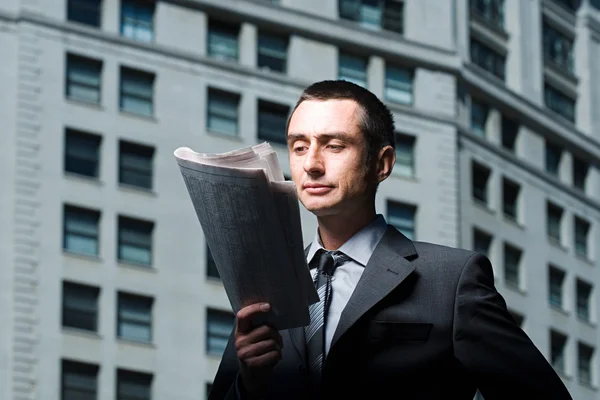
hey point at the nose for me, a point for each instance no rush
(313, 163)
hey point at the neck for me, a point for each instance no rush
(335, 230)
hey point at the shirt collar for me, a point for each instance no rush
(359, 247)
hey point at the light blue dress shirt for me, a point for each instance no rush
(359, 248)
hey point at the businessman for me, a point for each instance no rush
(397, 318)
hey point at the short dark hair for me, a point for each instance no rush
(376, 122)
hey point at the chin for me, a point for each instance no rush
(321, 210)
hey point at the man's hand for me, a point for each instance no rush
(258, 348)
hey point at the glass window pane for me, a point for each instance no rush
(399, 85)
(402, 217)
(353, 69)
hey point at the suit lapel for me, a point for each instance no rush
(297, 335)
(386, 269)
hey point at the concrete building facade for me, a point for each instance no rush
(106, 284)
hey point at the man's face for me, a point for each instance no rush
(327, 155)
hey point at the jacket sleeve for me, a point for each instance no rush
(224, 386)
(502, 359)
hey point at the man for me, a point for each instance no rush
(398, 318)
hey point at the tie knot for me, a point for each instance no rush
(329, 260)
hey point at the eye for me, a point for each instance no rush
(298, 149)
(335, 146)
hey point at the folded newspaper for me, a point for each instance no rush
(251, 220)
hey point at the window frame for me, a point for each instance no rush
(141, 301)
(136, 77)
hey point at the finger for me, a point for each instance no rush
(258, 349)
(265, 360)
(245, 315)
(261, 333)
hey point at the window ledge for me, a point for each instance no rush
(483, 206)
(479, 23)
(398, 175)
(512, 221)
(136, 266)
(513, 287)
(82, 256)
(149, 118)
(589, 386)
(83, 178)
(214, 355)
(485, 73)
(584, 259)
(563, 374)
(81, 332)
(557, 244)
(559, 309)
(137, 343)
(88, 104)
(235, 138)
(586, 322)
(137, 189)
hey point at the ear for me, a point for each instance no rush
(385, 162)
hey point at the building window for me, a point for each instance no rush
(83, 82)
(137, 92)
(480, 176)
(272, 52)
(481, 242)
(510, 199)
(479, 115)
(223, 112)
(553, 158)
(559, 103)
(558, 49)
(398, 85)
(80, 230)
(80, 306)
(556, 278)
(374, 14)
(584, 292)
(490, 11)
(557, 351)
(79, 381)
(136, 164)
(219, 325)
(223, 41)
(353, 69)
(554, 223)
(402, 217)
(512, 265)
(211, 265)
(137, 20)
(510, 130)
(82, 153)
(135, 241)
(132, 385)
(582, 229)
(584, 364)
(405, 155)
(580, 173)
(488, 59)
(84, 11)
(272, 121)
(134, 317)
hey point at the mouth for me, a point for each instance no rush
(313, 188)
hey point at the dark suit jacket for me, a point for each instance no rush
(424, 322)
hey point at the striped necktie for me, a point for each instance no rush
(315, 331)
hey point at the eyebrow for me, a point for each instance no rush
(292, 137)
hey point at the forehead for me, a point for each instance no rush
(323, 116)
